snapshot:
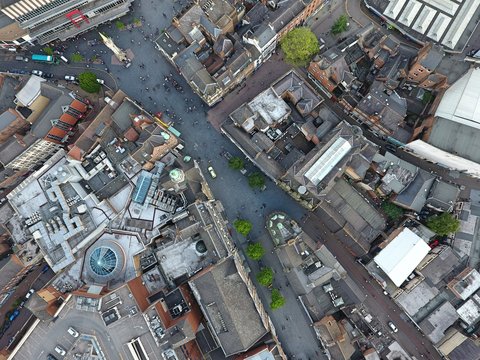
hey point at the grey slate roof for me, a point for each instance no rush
(456, 138)
(414, 196)
(443, 195)
(228, 307)
(6, 118)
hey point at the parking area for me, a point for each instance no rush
(95, 337)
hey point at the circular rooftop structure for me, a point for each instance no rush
(104, 261)
(177, 175)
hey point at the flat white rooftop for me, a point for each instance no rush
(402, 255)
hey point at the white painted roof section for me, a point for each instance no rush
(439, 26)
(393, 9)
(436, 155)
(424, 19)
(270, 107)
(402, 255)
(446, 6)
(462, 19)
(410, 12)
(27, 95)
(461, 102)
(328, 160)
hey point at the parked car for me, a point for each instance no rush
(21, 58)
(390, 147)
(14, 315)
(51, 357)
(48, 75)
(212, 172)
(37, 72)
(29, 293)
(73, 332)
(70, 78)
(60, 350)
(392, 326)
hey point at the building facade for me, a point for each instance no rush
(29, 21)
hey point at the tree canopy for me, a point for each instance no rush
(255, 251)
(242, 226)
(392, 211)
(265, 276)
(299, 46)
(443, 224)
(88, 82)
(47, 50)
(277, 300)
(77, 57)
(340, 25)
(236, 163)
(256, 180)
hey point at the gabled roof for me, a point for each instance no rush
(402, 255)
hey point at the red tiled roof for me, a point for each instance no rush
(75, 153)
(139, 292)
(79, 106)
(131, 135)
(54, 131)
(68, 119)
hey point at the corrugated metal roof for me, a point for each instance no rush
(461, 102)
(402, 255)
(328, 160)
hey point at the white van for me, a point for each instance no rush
(64, 59)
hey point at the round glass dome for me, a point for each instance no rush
(103, 261)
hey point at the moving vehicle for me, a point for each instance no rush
(212, 172)
(73, 332)
(392, 326)
(70, 78)
(21, 58)
(64, 59)
(60, 350)
(49, 59)
(100, 81)
(37, 72)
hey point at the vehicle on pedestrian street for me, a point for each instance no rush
(29, 293)
(51, 357)
(48, 59)
(70, 78)
(14, 315)
(37, 72)
(212, 172)
(392, 326)
(60, 350)
(64, 59)
(21, 58)
(73, 332)
(100, 81)
(226, 154)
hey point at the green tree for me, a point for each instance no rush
(265, 276)
(277, 299)
(47, 50)
(236, 163)
(392, 211)
(443, 224)
(340, 25)
(88, 82)
(255, 251)
(242, 226)
(120, 25)
(256, 180)
(299, 46)
(137, 22)
(77, 57)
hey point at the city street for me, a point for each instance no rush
(205, 144)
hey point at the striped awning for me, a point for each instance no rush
(22, 7)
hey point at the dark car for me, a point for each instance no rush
(51, 357)
(48, 75)
(390, 147)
